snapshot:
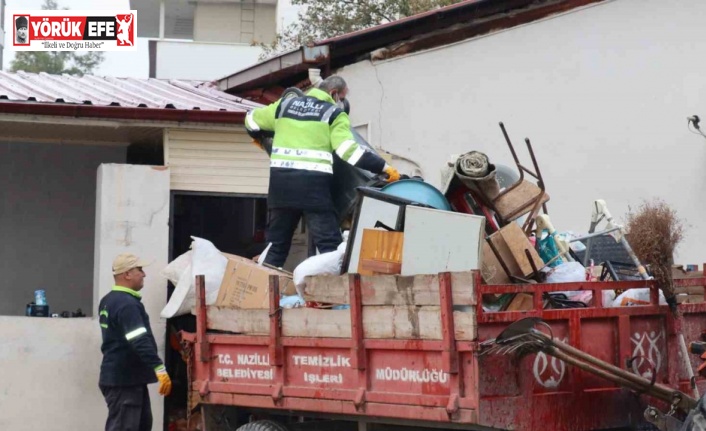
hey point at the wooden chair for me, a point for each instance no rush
(522, 197)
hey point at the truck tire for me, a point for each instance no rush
(264, 425)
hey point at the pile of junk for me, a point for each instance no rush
(485, 217)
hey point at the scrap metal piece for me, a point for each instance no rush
(662, 421)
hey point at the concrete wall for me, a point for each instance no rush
(133, 216)
(49, 368)
(49, 374)
(602, 92)
(235, 23)
(47, 222)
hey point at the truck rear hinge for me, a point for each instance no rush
(204, 390)
(359, 399)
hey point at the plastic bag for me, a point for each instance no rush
(177, 267)
(326, 263)
(608, 298)
(293, 301)
(206, 261)
(636, 297)
(548, 250)
(567, 273)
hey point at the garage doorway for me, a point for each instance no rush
(235, 224)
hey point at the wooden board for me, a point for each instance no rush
(391, 289)
(511, 244)
(491, 270)
(371, 211)
(380, 246)
(379, 322)
(521, 302)
(518, 201)
(688, 294)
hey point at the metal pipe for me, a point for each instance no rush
(162, 15)
(608, 367)
(514, 157)
(686, 403)
(687, 362)
(601, 373)
(593, 235)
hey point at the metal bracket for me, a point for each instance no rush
(315, 54)
(359, 399)
(449, 356)
(277, 393)
(276, 348)
(204, 390)
(201, 318)
(661, 421)
(453, 405)
(358, 355)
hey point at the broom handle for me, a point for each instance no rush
(687, 362)
(633, 257)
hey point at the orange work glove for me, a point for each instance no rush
(392, 174)
(258, 144)
(165, 383)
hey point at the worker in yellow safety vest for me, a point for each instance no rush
(307, 131)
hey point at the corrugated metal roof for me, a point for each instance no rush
(118, 92)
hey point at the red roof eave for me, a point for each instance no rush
(122, 113)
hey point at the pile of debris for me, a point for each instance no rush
(485, 217)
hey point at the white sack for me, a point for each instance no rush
(323, 264)
(206, 261)
(567, 273)
(177, 267)
(636, 297)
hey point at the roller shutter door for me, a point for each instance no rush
(220, 162)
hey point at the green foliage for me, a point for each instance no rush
(322, 19)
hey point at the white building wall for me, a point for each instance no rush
(236, 22)
(603, 93)
(206, 61)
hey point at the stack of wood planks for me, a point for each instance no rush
(690, 294)
(394, 307)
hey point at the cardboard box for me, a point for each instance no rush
(247, 285)
(511, 243)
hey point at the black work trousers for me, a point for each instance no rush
(323, 226)
(129, 408)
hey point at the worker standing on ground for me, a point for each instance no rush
(130, 359)
(307, 131)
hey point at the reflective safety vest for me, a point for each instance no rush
(307, 131)
(129, 349)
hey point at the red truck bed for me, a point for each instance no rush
(444, 381)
